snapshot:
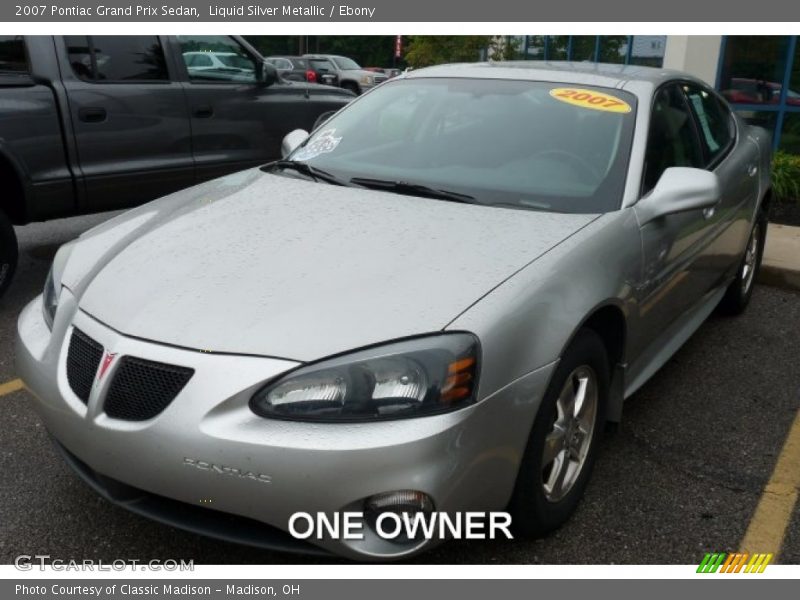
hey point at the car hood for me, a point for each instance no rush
(269, 265)
(359, 73)
(319, 89)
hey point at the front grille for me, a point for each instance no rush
(83, 358)
(141, 389)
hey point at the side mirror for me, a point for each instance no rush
(322, 119)
(268, 74)
(680, 189)
(292, 140)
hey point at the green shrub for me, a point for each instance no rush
(786, 176)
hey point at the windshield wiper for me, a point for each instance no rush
(412, 189)
(306, 169)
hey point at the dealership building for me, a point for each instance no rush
(759, 75)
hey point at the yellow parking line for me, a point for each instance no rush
(11, 387)
(774, 511)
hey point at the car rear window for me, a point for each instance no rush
(321, 64)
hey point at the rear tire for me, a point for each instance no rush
(738, 294)
(8, 252)
(539, 505)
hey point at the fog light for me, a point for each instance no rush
(404, 503)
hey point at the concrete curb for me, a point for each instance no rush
(781, 263)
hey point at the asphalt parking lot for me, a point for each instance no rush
(683, 475)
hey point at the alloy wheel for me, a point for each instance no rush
(567, 445)
(750, 260)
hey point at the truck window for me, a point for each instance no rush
(216, 58)
(117, 59)
(12, 54)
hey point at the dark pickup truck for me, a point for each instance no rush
(95, 123)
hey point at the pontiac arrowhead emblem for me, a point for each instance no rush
(104, 366)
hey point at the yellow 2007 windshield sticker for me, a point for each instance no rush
(590, 99)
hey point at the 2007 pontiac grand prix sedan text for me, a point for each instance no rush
(434, 302)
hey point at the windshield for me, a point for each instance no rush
(346, 64)
(520, 144)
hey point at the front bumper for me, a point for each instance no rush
(207, 449)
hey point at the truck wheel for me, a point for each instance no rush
(8, 252)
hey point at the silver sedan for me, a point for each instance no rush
(433, 303)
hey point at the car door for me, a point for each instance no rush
(674, 246)
(735, 160)
(237, 122)
(129, 117)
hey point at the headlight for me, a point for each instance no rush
(52, 287)
(367, 79)
(49, 300)
(411, 378)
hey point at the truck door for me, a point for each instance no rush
(237, 122)
(130, 119)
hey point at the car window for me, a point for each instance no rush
(118, 59)
(12, 54)
(224, 59)
(671, 139)
(281, 63)
(321, 64)
(518, 144)
(715, 120)
(346, 64)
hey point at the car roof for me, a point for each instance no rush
(587, 73)
(328, 56)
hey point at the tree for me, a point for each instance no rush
(367, 50)
(426, 50)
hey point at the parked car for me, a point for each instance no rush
(293, 68)
(388, 72)
(108, 122)
(349, 75)
(426, 306)
(757, 91)
(218, 61)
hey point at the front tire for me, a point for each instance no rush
(563, 443)
(8, 252)
(738, 294)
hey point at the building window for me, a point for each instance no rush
(753, 68)
(760, 77)
(614, 48)
(790, 136)
(647, 50)
(558, 47)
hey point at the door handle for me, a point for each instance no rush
(752, 170)
(203, 112)
(709, 212)
(92, 114)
